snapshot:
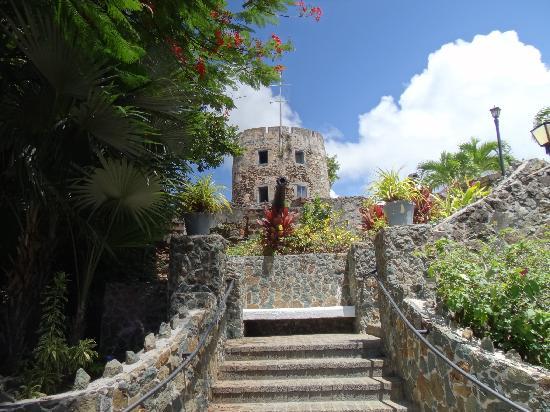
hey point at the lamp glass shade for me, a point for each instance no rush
(495, 111)
(541, 133)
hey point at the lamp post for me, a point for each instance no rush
(495, 112)
(541, 134)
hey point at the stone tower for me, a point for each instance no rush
(299, 155)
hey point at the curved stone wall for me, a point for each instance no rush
(249, 174)
(520, 202)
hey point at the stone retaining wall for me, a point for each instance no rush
(291, 281)
(520, 201)
(361, 262)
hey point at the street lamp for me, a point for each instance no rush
(541, 133)
(495, 112)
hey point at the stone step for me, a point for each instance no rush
(306, 389)
(334, 406)
(292, 368)
(303, 346)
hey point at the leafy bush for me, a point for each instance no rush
(203, 196)
(319, 231)
(458, 197)
(499, 288)
(249, 247)
(53, 360)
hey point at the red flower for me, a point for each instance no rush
(279, 68)
(201, 68)
(316, 12)
(524, 272)
(219, 37)
(302, 6)
(176, 50)
(277, 40)
(238, 39)
(214, 14)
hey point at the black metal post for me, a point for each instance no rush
(499, 147)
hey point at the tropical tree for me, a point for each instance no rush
(104, 107)
(543, 115)
(333, 167)
(472, 160)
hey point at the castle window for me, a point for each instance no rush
(262, 157)
(301, 191)
(263, 194)
(299, 156)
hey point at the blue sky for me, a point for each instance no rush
(361, 76)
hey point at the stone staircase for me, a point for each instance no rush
(332, 372)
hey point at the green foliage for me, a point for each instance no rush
(315, 212)
(203, 196)
(457, 198)
(499, 288)
(319, 231)
(53, 360)
(249, 247)
(389, 187)
(543, 115)
(333, 167)
(471, 160)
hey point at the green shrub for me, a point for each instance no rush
(319, 231)
(458, 198)
(54, 362)
(249, 247)
(499, 288)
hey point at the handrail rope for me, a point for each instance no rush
(192, 355)
(468, 376)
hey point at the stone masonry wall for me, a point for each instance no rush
(363, 288)
(248, 174)
(197, 283)
(520, 201)
(291, 281)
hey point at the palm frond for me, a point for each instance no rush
(54, 57)
(118, 190)
(121, 128)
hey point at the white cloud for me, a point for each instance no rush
(333, 194)
(258, 108)
(448, 103)
(330, 132)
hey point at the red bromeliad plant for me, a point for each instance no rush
(373, 217)
(423, 205)
(277, 225)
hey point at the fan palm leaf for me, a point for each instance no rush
(118, 190)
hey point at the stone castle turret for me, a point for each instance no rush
(299, 155)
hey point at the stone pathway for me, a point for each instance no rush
(332, 372)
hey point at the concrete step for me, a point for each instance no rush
(303, 346)
(293, 368)
(306, 389)
(334, 406)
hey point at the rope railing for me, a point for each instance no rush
(189, 356)
(418, 334)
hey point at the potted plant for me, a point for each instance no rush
(398, 195)
(199, 201)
